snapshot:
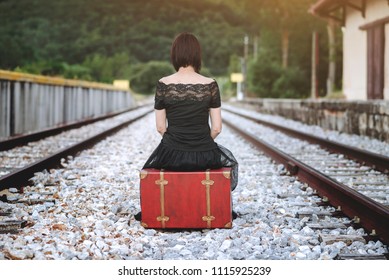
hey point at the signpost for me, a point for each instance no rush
(238, 79)
(122, 84)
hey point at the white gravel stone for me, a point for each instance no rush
(301, 256)
(305, 249)
(99, 195)
(185, 252)
(20, 254)
(83, 255)
(225, 245)
(87, 243)
(209, 254)
(101, 245)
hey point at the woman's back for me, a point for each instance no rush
(187, 111)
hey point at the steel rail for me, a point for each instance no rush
(21, 176)
(371, 215)
(35, 136)
(374, 160)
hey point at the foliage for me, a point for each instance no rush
(147, 74)
(107, 69)
(105, 40)
(267, 78)
(292, 83)
(72, 30)
(95, 67)
(262, 73)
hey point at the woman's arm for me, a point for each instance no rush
(160, 121)
(216, 121)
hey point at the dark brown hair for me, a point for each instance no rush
(186, 51)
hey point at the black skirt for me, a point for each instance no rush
(168, 158)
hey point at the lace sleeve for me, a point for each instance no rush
(215, 96)
(159, 103)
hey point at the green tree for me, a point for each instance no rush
(268, 79)
(262, 73)
(107, 69)
(147, 74)
(284, 17)
(101, 40)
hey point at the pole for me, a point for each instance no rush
(331, 54)
(239, 94)
(244, 66)
(314, 87)
(255, 48)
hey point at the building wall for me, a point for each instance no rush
(386, 87)
(355, 49)
(354, 57)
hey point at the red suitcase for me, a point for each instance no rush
(198, 199)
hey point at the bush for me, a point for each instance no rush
(146, 75)
(48, 68)
(267, 79)
(292, 83)
(96, 67)
(106, 69)
(261, 75)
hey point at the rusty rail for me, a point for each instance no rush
(371, 215)
(35, 136)
(374, 160)
(21, 176)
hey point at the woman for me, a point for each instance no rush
(185, 100)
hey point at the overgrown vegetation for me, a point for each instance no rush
(119, 39)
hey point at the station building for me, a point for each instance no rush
(365, 25)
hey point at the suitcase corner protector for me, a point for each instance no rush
(143, 224)
(143, 174)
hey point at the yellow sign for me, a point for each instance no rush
(122, 84)
(236, 77)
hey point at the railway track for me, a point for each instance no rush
(359, 191)
(20, 140)
(19, 164)
(88, 202)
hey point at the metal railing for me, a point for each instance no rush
(30, 103)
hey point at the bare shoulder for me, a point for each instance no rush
(200, 79)
(194, 78)
(167, 79)
(206, 80)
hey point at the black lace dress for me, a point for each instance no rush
(187, 144)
